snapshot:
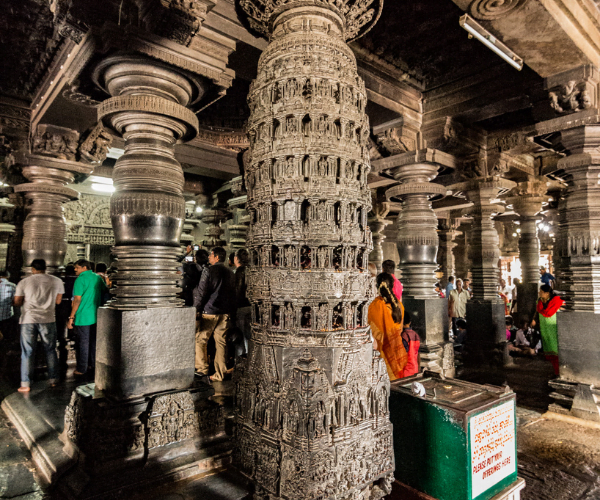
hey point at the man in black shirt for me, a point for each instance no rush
(214, 300)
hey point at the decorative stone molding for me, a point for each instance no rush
(312, 397)
(94, 147)
(574, 90)
(176, 20)
(359, 16)
(489, 10)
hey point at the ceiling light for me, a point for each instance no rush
(514, 234)
(198, 210)
(518, 230)
(490, 41)
(103, 188)
(101, 180)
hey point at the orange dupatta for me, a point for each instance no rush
(388, 336)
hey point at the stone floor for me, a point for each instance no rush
(559, 460)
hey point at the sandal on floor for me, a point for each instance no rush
(24, 389)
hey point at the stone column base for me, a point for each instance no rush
(117, 445)
(144, 351)
(430, 321)
(438, 358)
(575, 400)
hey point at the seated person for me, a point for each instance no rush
(511, 330)
(461, 335)
(520, 345)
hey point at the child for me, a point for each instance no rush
(520, 345)
(411, 342)
(461, 334)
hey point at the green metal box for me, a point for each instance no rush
(458, 441)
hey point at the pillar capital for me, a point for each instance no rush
(264, 17)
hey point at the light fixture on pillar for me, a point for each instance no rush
(490, 41)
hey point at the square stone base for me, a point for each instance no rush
(429, 319)
(486, 327)
(118, 444)
(579, 346)
(144, 351)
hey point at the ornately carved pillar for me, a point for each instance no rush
(49, 166)
(312, 401)
(238, 229)
(147, 207)
(418, 242)
(527, 199)
(447, 234)
(485, 311)
(377, 223)
(578, 249)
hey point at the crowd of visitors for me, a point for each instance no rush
(62, 311)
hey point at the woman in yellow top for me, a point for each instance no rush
(385, 318)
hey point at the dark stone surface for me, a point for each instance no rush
(429, 318)
(527, 297)
(579, 346)
(145, 351)
(485, 324)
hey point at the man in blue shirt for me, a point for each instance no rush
(546, 278)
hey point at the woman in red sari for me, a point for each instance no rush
(385, 318)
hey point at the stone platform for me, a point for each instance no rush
(194, 468)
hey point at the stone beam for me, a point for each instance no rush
(551, 36)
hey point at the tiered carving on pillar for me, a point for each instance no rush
(527, 199)
(49, 166)
(213, 217)
(578, 250)
(461, 250)
(417, 223)
(147, 207)
(312, 400)
(7, 228)
(485, 312)
(417, 243)
(377, 223)
(238, 229)
(447, 234)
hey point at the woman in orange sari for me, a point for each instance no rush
(385, 318)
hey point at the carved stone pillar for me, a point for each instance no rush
(14, 259)
(144, 406)
(238, 229)
(485, 311)
(417, 246)
(49, 167)
(527, 199)
(7, 229)
(578, 249)
(447, 235)
(312, 399)
(377, 223)
(461, 250)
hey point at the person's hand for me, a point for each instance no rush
(188, 249)
(70, 324)
(532, 323)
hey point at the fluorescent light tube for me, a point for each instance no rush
(490, 41)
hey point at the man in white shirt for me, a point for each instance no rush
(457, 304)
(38, 295)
